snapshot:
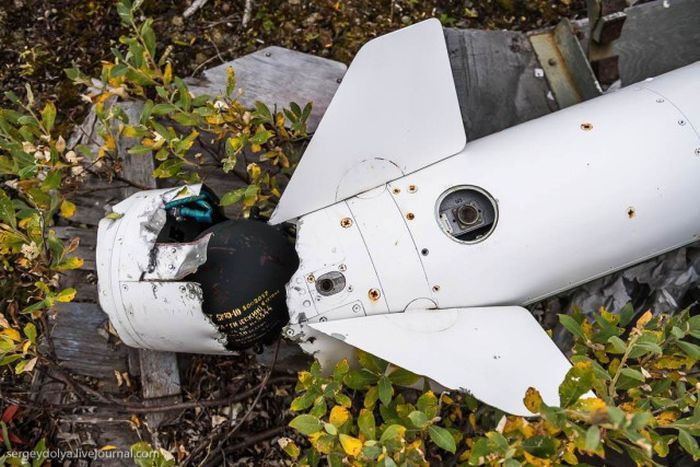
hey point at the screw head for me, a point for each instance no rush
(374, 294)
(586, 126)
(412, 188)
(310, 278)
(346, 222)
(436, 288)
(410, 216)
(342, 267)
(697, 151)
(681, 122)
(660, 100)
(396, 190)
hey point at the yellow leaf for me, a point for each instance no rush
(26, 346)
(644, 319)
(66, 295)
(108, 447)
(591, 404)
(168, 74)
(3, 322)
(666, 417)
(12, 334)
(135, 420)
(339, 415)
(533, 400)
(351, 445)
(67, 209)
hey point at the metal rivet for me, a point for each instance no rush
(374, 294)
(410, 216)
(342, 267)
(345, 222)
(310, 278)
(323, 319)
(586, 126)
(412, 188)
(339, 80)
(268, 54)
(681, 122)
(424, 252)
(290, 331)
(356, 308)
(436, 288)
(552, 62)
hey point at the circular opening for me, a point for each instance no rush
(326, 285)
(468, 214)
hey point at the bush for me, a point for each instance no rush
(644, 374)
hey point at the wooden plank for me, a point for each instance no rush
(658, 37)
(497, 81)
(160, 376)
(278, 76)
(83, 345)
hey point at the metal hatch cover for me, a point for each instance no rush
(396, 108)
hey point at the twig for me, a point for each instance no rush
(192, 9)
(247, 12)
(218, 451)
(255, 439)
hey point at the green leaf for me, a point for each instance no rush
(689, 443)
(30, 332)
(572, 326)
(359, 379)
(7, 211)
(419, 419)
(401, 377)
(48, 116)
(691, 350)
(633, 374)
(393, 432)
(540, 446)
(442, 438)
(592, 438)
(374, 364)
(306, 424)
(149, 37)
(386, 391)
(578, 381)
(367, 424)
(428, 404)
(618, 346)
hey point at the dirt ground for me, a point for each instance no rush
(40, 38)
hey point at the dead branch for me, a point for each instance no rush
(192, 9)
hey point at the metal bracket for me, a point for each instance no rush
(565, 65)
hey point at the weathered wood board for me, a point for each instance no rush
(277, 76)
(497, 80)
(658, 37)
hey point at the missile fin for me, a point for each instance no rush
(494, 353)
(395, 112)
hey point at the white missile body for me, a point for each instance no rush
(422, 250)
(566, 198)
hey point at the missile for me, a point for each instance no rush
(412, 243)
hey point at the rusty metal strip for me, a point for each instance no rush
(565, 65)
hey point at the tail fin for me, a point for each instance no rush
(494, 353)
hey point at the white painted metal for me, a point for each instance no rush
(137, 278)
(395, 112)
(495, 353)
(580, 193)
